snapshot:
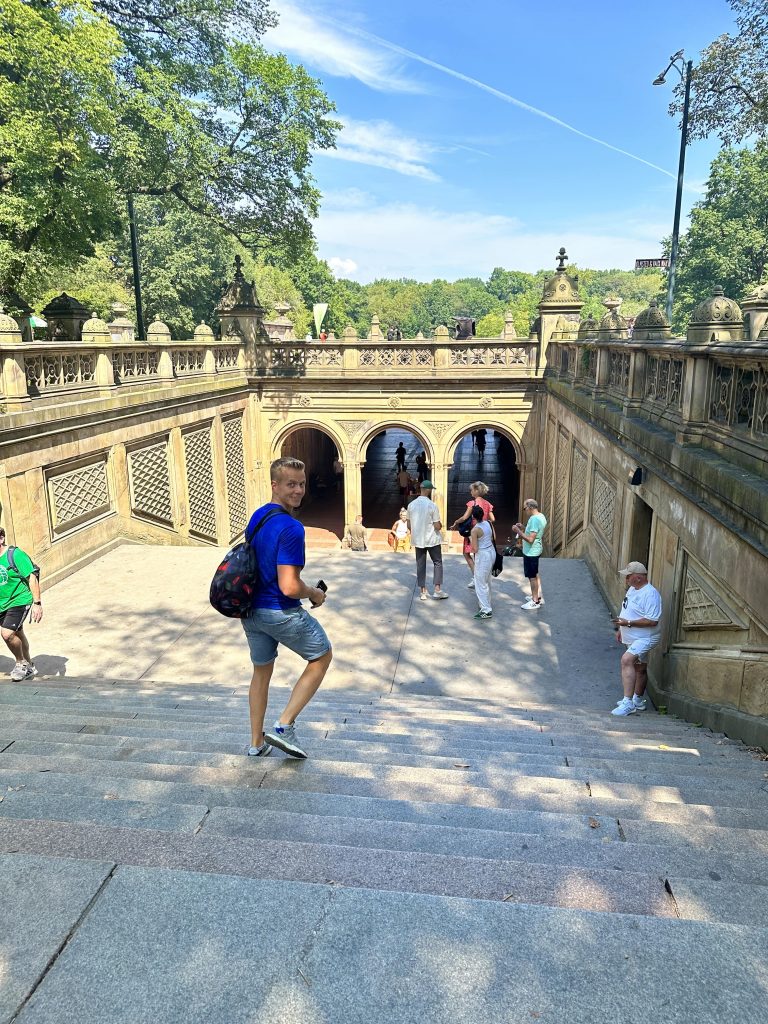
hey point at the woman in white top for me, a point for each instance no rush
(401, 533)
(483, 544)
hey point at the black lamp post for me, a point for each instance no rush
(136, 269)
(676, 61)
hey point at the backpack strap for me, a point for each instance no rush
(270, 514)
(11, 560)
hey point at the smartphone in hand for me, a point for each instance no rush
(321, 585)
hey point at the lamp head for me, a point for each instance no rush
(660, 79)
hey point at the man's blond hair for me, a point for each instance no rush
(277, 467)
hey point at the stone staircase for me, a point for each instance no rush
(435, 859)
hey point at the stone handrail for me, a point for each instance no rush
(713, 393)
(47, 370)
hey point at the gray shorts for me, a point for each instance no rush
(294, 628)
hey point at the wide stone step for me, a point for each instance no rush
(20, 803)
(487, 785)
(332, 937)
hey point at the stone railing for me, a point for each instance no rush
(715, 394)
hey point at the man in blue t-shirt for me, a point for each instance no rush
(531, 535)
(277, 616)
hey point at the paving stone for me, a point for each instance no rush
(43, 899)
(721, 901)
(107, 811)
(121, 966)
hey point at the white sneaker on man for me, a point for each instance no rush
(530, 606)
(624, 707)
(471, 585)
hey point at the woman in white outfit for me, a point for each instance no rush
(483, 546)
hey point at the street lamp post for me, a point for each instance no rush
(676, 61)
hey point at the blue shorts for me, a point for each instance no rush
(294, 628)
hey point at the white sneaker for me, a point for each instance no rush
(423, 596)
(471, 585)
(624, 707)
(439, 595)
(19, 671)
(541, 600)
(530, 606)
(31, 671)
(640, 703)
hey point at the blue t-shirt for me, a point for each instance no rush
(280, 541)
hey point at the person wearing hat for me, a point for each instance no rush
(637, 626)
(425, 526)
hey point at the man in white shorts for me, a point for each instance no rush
(637, 626)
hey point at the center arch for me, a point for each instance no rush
(382, 490)
(487, 451)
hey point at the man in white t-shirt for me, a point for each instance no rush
(637, 626)
(425, 526)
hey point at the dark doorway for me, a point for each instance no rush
(323, 505)
(382, 499)
(495, 464)
(640, 535)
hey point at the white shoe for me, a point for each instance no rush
(640, 703)
(530, 606)
(471, 585)
(439, 595)
(541, 600)
(423, 596)
(624, 707)
(19, 671)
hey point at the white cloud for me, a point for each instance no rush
(405, 240)
(328, 48)
(341, 267)
(380, 144)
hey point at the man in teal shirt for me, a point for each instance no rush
(531, 535)
(19, 594)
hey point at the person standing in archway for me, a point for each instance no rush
(400, 456)
(478, 491)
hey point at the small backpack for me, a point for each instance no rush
(237, 577)
(12, 563)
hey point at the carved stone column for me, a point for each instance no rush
(353, 486)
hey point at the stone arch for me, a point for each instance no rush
(281, 436)
(461, 430)
(394, 424)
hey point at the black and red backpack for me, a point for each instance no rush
(237, 578)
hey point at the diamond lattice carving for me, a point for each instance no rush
(701, 609)
(150, 482)
(79, 494)
(563, 446)
(234, 461)
(199, 461)
(549, 464)
(578, 489)
(603, 504)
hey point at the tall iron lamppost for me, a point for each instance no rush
(676, 61)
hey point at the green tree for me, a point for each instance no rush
(507, 284)
(727, 242)
(490, 326)
(730, 87)
(58, 92)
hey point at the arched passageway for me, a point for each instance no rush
(493, 462)
(382, 499)
(323, 505)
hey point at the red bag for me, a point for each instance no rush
(391, 539)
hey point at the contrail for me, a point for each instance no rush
(401, 50)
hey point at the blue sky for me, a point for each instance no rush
(442, 170)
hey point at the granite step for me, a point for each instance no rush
(175, 817)
(485, 783)
(529, 814)
(561, 956)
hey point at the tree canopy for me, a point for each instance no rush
(104, 98)
(730, 86)
(727, 242)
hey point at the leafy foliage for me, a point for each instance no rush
(727, 242)
(730, 85)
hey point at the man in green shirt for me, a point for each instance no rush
(19, 595)
(531, 534)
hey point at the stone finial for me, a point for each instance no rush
(587, 328)
(612, 323)
(651, 324)
(755, 309)
(95, 328)
(158, 332)
(441, 331)
(561, 257)
(717, 318)
(240, 296)
(349, 333)
(203, 332)
(375, 332)
(509, 333)
(7, 324)
(420, 336)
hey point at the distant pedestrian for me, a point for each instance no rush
(637, 626)
(356, 535)
(478, 492)
(400, 456)
(483, 544)
(19, 598)
(338, 473)
(277, 616)
(404, 483)
(531, 535)
(323, 336)
(425, 526)
(481, 442)
(401, 533)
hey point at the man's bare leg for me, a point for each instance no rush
(15, 641)
(535, 589)
(641, 678)
(306, 687)
(628, 673)
(257, 700)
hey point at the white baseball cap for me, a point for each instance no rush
(634, 568)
